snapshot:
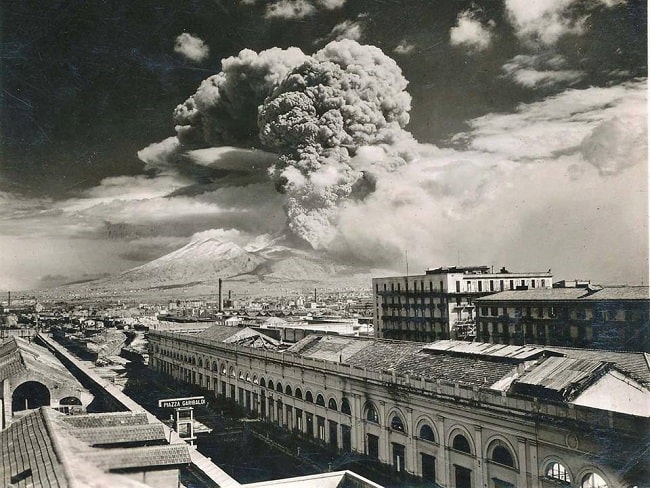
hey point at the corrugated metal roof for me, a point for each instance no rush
(635, 363)
(562, 374)
(522, 353)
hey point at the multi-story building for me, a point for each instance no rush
(440, 303)
(454, 413)
(573, 314)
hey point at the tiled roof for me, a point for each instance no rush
(28, 454)
(621, 293)
(112, 419)
(236, 335)
(557, 294)
(411, 359)
(112, 435)
(140, 457)
(218, 332)
(329, 347)
(17, 354)
(535, 294)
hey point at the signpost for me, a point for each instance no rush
(184, 408)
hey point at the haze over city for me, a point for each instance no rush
(510, 133)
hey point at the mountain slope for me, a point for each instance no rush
(203, 260)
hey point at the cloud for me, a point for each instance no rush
(191, 47)
(470, 32)
(346, 96)
(504, 195)
(554, 125)
(330, 4)
(289, 9)
(544, 22)
(404, 47)
(223, 111)
(160, 156)
(540, 71)
(348, 29)
(299, 9)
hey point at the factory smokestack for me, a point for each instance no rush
(220, 296)
(8, 299)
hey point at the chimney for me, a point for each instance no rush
(220, 297)
(315, 299)
(8, 299)
(229, 295)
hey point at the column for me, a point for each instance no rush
(532, 465)
(357, 425)
(411, 454)
(480, 469)
(443, 476)
(384, 446)
(521, 454)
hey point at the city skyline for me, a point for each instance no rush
(507, 134)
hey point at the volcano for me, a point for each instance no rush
(202, 262)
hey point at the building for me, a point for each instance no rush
(32, 377)
(455, 413)
(45, 448)
(440, 303)
(577, 315)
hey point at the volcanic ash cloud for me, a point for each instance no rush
(317, 113)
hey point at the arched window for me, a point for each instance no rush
(298, 393)
(270, 385)
(558, 472)
(223, 368)
(461, 444)
(214, 366)
(397, 424)
(200, 363)
(241, 375)
(426, 433)
(70, 401)
(309, 397)
(288, 391)
(332, 404)
(501, 454)
(345, 407)
(279, 388)
(262, 382)
(592, 480)
(320, 400)
(232, 371)
(30, 395)
(248, 377)
(256, 380)
(371, 414)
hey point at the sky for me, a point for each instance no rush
(509, 133)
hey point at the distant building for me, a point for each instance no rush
(574, 314)
(454, 413)
(440, 303)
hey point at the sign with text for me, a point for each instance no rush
(181, 402)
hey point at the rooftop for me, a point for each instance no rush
(18, 355)
(573, 293)
(45, 449)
